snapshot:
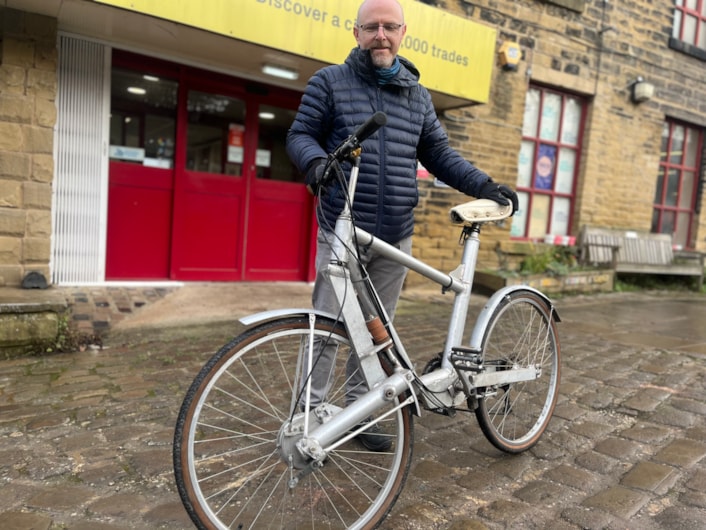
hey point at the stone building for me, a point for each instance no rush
(601, 122)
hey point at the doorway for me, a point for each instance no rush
(200, 186)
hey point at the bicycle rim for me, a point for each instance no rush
(231, 461)
(521, 333)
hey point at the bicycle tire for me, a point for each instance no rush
(229, 470)
(520, 333)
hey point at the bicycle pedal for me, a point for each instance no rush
(466, 359)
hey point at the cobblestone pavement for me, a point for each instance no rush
(85, 438)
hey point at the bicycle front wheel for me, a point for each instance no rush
(521, 333)
(233, 462)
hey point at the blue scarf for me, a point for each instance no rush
(384, 75)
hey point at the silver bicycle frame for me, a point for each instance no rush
(384, 388)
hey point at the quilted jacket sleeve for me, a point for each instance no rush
(444, 162)
(307, 137)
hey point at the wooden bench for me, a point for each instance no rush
(632, 252)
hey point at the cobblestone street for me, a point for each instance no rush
(85, 438)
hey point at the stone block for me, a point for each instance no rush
(11, 137)
(22, 332)
(10, 197)
(44, 112)
(41, 83)
(18, 52)
(39, 139)
(12, 79)
(15, 166)
(43, 168)
(36, 195)
(10, 248)
(11, 273)
(15, 108)
(38, 223)
(36, 249)
(12, 221)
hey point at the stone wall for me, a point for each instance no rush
(594, 49)
(28, 84)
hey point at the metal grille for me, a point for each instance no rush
(80, 191)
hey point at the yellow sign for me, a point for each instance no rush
(454, 55)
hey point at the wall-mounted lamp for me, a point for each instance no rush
(509, 55)
(641, 90)
(280, 71)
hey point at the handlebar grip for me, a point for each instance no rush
(371, 125)
(353, 142)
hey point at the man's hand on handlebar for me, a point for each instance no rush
(500, 194)
(315, 175)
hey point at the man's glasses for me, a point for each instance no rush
(387, 29)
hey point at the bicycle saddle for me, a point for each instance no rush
(479, 211)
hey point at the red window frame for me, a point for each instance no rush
(531, 194)
(686, 11)
(669, 209)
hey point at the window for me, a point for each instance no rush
(142, 118)
(215, 134)
(547, 163)
(677, 183)
(690, 22)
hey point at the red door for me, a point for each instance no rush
(226, 204)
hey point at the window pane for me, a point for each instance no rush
(571, 121)
(667, 223)
(681, 234)
(701, 42)
(551, 111)
(531, 117)
(655, 221)
(692, 140)
(215, 133)
(677, 24)
(691, 4)
(670, 198)
(675, 155)
(687, 190)
(540, 216)
(544, 167)
(142, 118)
(565, 170)
(659, 189)
(271, 160)
(519, 220)
(665, 143)
(524, 165)
(560, 217)
(689, 32)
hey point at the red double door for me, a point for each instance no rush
(200, 187)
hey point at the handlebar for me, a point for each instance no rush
(353, 142)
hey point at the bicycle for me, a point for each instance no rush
(255, 448)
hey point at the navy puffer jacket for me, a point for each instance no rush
(336, 101)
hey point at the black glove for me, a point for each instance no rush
(315, 174)
(500, 194)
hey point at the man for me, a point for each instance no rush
(336, 101)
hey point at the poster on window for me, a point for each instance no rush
(236, 132)
(544, 167)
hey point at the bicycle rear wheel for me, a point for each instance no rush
(232, 462)
(521, 333)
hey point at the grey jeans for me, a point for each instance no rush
(387, 277)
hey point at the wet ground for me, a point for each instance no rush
(85, 438)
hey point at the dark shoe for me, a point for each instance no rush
(373, 439)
